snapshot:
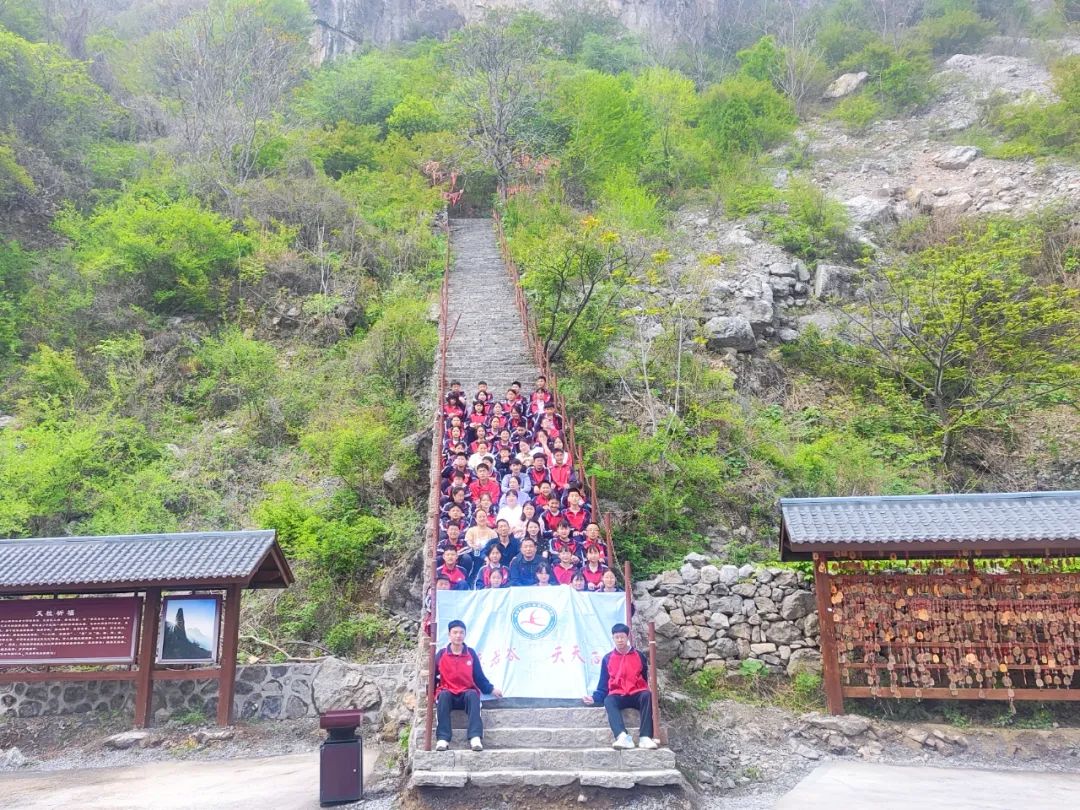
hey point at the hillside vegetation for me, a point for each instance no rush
(217, 264)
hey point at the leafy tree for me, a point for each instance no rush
(607, 129)
(497, 90)
(576, 278)
(226, 70)
(762, 61)
(675, 152)
(963, 329)
(415, 114)
(612, 56)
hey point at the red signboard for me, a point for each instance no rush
(68, 631)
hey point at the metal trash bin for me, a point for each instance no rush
(341, 758)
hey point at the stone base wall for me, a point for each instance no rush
(263, 691)
(708, 616)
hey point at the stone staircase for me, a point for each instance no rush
(489, 343)
(544, 747)
(528, 743)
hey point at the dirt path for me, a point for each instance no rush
(281, 783)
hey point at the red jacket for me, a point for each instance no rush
(622, 674)
(577, 520)
(593, 578)
(491, 487)
(563, 575)
(455, 575)
(458, 674)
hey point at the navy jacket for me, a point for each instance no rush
(523, 572)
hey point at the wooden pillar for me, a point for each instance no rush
(830, 660)
(230, 643)
(628, 590)
(144, 676)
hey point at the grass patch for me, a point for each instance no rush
(752, 683)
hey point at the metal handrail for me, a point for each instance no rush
(438, 429)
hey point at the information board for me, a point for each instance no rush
(68, 631)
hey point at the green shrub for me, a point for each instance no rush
(341, 638)
(814, 226)
(179, 250)
(343, 546)
(1033, 128)
(838, 40)
(626, 204)
(959, 30)
(15, 266)
(762, 61)
(856, 112)
(56, 374)
(235, 371)
(14, 179)
(742, 115)
(900, 81)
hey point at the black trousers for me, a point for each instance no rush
(467, 701)
(642, 701)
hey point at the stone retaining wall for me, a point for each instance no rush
(708, 616)
(263, 691)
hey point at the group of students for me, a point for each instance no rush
(512, 510)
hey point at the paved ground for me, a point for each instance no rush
(894, 787)
(270, 783)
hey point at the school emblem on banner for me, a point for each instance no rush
(534, 619)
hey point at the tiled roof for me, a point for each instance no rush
(97, 562)
(1027, 522)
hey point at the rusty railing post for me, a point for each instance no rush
(659, 734)
(628, 590)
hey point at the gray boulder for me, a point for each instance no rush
(797, 605)
(867, 211)
(845, 85)
(830, 280)
(730, 332)
(959, 157)
(783, 633)
(804, 659)
(341, 685)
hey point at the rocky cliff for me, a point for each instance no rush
(345, 25)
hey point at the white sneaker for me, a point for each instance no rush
(624, 741)
(477, 744)
(442, 745)
(647, 742)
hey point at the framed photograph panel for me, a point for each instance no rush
(190, 629)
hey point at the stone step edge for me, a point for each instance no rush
(667, 777)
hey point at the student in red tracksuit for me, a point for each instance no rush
(484, 484)
(459, 681)
(624, 684)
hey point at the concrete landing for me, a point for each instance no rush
(281, 783)
(840, 784)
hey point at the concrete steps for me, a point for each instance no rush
(667, 777)
(599, 767)
(489, 343)
(579, 717)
